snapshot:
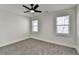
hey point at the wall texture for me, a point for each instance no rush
(77, 10)
(47, 28)
(13, 27)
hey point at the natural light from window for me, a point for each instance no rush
(62, 25)
(34, 25)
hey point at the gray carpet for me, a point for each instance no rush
(36, 47)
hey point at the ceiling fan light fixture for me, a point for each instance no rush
(33, 8)
(32, 11)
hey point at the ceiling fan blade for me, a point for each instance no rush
(36, 6)
(26, 7)
(37, 11)
(26, 11)
(32, 6)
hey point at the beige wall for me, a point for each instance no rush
(13, 27)
(77, 10)
(47, 28)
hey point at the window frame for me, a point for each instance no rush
(32, 26)
(68, 25)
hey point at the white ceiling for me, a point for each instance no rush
(17, 8)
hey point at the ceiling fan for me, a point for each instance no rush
(33, 8)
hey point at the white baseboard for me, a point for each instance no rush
(9, 43)
(77, 49)
(72, 46)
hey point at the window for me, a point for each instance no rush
(34, 25)
(62, 25)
